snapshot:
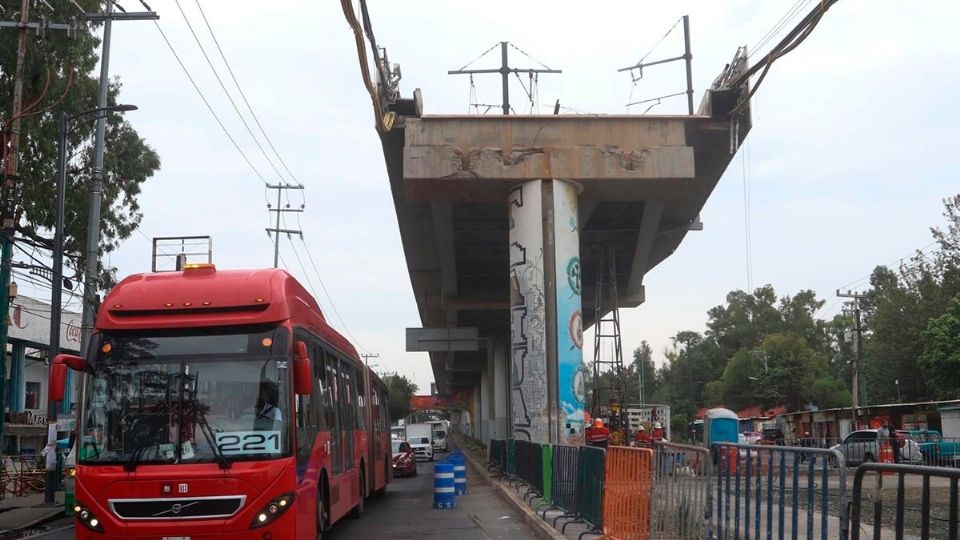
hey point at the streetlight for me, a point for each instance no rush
(56, 289)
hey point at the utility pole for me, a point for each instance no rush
(857, 348)
(367, 357)
(10, 192)
(505, 70)
(92, 271)
(280, 210)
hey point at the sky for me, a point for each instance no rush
(847, 164)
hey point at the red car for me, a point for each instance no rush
(404, 460)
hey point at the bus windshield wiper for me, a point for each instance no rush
(131, 464)
(218, 454)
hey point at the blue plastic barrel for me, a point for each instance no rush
(443, 486)
(459, 475)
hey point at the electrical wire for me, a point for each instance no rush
(746, 220)
(791, 41)
(786, 19)
(244, 96)
(486, 52)
(326, 293)
(207, 104)
(223, 87)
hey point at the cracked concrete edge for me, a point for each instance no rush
(531, 518)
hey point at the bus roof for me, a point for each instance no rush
(204, 297)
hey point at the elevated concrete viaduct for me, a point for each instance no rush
(502, 219)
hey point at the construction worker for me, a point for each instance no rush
(597, 434)
(642, 438)
(658, 433)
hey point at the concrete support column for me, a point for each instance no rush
(483, 410)
(546, 325)
(497, 368)
(17, 385)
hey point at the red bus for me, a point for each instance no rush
(220, 404)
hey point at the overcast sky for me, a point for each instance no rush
(850, 155)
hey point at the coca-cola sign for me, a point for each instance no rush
(30, 322)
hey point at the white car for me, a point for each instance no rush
(422, 447)
(861, 446)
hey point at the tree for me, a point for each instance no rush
(941, 354)
(642, 363)
(59, 74)
(399, 391)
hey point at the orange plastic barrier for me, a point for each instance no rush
(886, 456)
(626, 500)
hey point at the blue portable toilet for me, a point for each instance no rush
(720, 426)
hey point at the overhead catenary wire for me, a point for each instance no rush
(244, 96)
(223, 87)
(209, 107)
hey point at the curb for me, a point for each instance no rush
(540, 527)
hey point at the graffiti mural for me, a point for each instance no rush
(528, 379)
(570, 391)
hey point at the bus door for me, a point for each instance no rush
(333, 409)
(348, 412)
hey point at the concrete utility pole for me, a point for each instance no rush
(280, 210)
(505, 70)
(10, 192)
(857, 348)
(92, 270)
(367, 357)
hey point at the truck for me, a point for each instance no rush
(420, 437)
(440, 430)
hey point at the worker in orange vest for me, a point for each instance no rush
(597, 434)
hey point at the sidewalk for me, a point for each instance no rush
(17, 513)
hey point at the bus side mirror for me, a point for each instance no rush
(58, 373)
(302, 371)
(58, 382)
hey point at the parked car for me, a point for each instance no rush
(752, 437)
(936, 451)
(404, 459)
(422, 447)
(861, 446)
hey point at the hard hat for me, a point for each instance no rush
(598, 422)
(642, 428)
(657, 425)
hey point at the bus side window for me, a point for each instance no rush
(320, 388)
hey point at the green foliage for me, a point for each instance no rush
(941, 355)
(399, 390)
(898, 311)
(129, 161)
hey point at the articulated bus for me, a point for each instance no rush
(220, 404)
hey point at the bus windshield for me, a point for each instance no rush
(187, 398)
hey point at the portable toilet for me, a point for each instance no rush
(720, 425)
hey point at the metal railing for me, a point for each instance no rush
(763, 491)
(681, 501)
(938, 494)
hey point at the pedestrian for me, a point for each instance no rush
(597, 434)
(883, 439)
(896, 442)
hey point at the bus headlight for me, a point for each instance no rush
(86, 517)
(272, 510)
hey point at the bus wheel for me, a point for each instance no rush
(323, 511)
(358, 509)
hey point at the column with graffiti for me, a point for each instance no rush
(569, 320)
(546, 379)
(528, 352)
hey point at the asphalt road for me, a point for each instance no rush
(406, 512)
